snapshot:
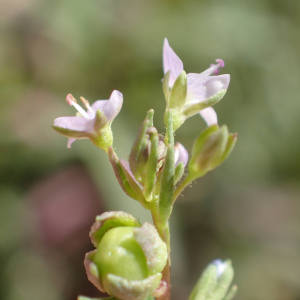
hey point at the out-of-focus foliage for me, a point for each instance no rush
(247, 210)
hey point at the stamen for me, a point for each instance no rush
(72, 101)
(87, 104)
(214, 69)
(220, 62)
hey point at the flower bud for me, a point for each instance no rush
(211, 148)
(215, 282)
(129, 258)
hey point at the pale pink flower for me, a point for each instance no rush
(200, 87)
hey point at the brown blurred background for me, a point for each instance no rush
(247, 210)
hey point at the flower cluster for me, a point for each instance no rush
(132, 261)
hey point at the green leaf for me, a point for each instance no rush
(178, 92)
(167, 186)
(195, 108)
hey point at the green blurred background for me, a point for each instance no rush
(247, 210)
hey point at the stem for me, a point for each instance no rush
(182, 186)
(166, 273)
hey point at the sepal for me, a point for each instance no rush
(154, 248)
(178, 92)
(193, 109)
(166, 87)
(167, 187)
(129, 258)
(109, 220)
(121, 176)
(215, 282)
(132, 289)
(211, 148)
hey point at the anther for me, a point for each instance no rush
(70, 99)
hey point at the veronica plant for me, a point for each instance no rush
(132, 261)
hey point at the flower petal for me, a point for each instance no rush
(209, 115)
(201, 87)
(79, 124)
(70, 141)
(110, 107)
(181, 155)
(171, 62)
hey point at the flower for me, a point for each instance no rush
(200, 87)
(129, 258)
(93, 124)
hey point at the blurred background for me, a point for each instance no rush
(247, 210)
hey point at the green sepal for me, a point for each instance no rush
(120, 175)
(138, 146)
(179, 170)
(136, 187)
(88, 298)
(125, 289)
(154, 249)
(232, 292)
(170, 126)
(205, 283)
(103, 139)
(178, 92)
(72, 133)
(167, 186)
(166, 87)
(100, 120)
(223, 283)
(195, 108)
(232, 138)
(211, 287)
(109, 220)
(149, 116)
(151, 167)
(208, 150)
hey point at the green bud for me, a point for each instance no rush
(146, 156)
(211, 148)
(215, 282)
(129, 258)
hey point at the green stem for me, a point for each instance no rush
(166, 273)
(182, 186)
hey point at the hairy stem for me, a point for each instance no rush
(182, 186)
(166, 273)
